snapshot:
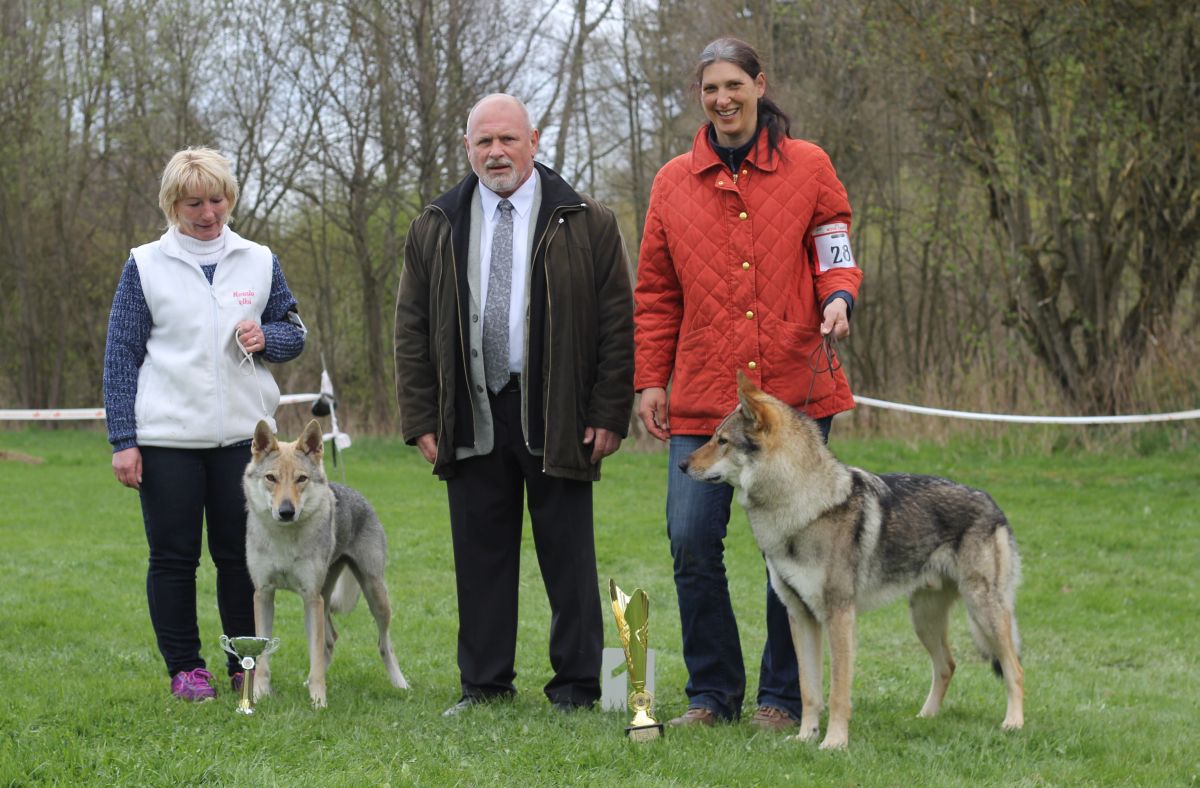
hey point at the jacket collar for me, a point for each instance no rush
(169, 244)
(556, 192)
(703, 156)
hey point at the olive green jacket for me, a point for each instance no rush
(579, 329)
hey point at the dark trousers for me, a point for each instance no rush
(182, 489)
(697, 519)
(486, 506)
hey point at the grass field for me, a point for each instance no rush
(1108, 614)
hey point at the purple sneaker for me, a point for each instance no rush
(195, 685)
(237, 680)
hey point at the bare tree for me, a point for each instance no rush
(1080, 124)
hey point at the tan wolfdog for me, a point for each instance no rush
(301, 533)
(839, 540)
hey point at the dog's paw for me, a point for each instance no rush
(1013, 724)
(316, 692)
(262, 688)
(835, 742)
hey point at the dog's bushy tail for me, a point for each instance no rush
(345, 593)
(1003, 591)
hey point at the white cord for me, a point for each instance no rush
(248, 356)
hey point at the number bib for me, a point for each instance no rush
(832, 242)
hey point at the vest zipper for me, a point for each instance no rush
(217, 362)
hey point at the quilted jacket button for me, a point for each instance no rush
(752, 365)
(749, 315)
(746, 265)
(742, 216)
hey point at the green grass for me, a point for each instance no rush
(1107, 610)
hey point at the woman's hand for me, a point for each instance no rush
(837, 321)
(251, 336)
(127, 467)
(652, 409)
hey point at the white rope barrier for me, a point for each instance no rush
(77, 414)
(1181, 415)
(86, 414)
(52, 414)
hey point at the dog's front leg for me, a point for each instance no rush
(841, 676)
(264, 620)
(806, 639)
(314, 626)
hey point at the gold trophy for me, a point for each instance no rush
(633, 614)
(246, 649)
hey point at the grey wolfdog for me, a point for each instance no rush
(301, 532)
(838, 540)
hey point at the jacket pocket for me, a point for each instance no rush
(797, 369)
(694, 381)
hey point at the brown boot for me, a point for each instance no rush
(769, 718)
(696, 716)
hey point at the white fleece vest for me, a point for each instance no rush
(191, 392)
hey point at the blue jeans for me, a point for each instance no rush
(697, 519)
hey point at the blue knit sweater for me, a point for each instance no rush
(129, 325)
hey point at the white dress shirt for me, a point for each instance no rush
(522, 202)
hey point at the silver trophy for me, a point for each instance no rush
(247, 649)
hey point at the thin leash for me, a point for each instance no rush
(823, 352)
(251, 371)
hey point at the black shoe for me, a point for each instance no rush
(464, 703)
(566, 706)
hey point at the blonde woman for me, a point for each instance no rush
(194, 314)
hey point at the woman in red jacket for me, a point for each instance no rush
(745, 264)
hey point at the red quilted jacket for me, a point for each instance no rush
(728, 279)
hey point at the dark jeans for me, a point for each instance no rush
(697, 519)
(486, 509)
(183, 489)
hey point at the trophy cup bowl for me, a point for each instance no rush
(247, 649)
(633, 626)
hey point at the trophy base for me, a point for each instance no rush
(643, 733)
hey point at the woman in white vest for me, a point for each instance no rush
(195, 314)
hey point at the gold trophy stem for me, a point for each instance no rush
(245, 650)
(244, 705)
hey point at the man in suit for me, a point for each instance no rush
(514, 376)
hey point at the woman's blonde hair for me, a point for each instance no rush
(196, 171)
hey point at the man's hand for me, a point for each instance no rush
(652, 409)
(427, 443)
(603, 442)
(836, 322)
(127, 467)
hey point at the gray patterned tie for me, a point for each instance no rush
(495, 313)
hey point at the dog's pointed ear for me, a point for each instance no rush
(312, 442)
(264, 440)
(751, 399)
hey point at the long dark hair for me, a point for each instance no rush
(742, 55)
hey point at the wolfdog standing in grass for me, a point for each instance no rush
(839, 540)
(301, 533)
